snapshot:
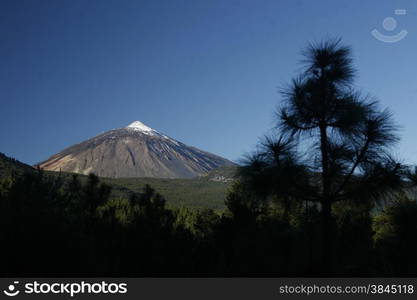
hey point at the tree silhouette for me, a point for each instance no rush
(345, 137)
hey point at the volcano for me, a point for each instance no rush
(134, 151)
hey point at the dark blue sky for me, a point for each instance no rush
(204, 72)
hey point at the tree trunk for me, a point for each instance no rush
(326, 210)
(327, 251)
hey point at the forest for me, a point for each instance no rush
(323, 196)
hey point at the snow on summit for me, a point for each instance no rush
(139, 126)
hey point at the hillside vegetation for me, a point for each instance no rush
(197, 193)
(9, 166)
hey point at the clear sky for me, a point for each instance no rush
(204, 72)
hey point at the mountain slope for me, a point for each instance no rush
(134, 151)
(10, 166)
